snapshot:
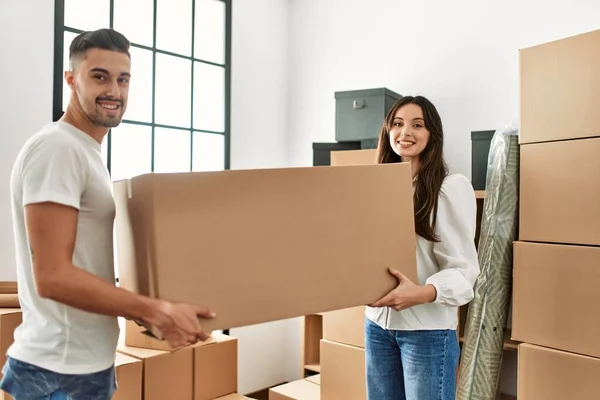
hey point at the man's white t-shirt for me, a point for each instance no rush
(63, 164)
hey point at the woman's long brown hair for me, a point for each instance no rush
(433, 168)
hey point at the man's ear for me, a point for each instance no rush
(70, 79)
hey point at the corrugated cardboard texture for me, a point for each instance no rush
(560, 192)
(555, 295)
(10, 319)
(249, 243)
(129, 378)
(345, 326)
(216, 368)
(297, 390)
(559, 94)
(353, 157)
(167, 375)
(546, 374)
(342, 372)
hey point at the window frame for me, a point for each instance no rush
(58, 78)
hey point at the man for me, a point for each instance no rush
(63, 215)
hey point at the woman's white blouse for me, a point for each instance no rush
(450, 265)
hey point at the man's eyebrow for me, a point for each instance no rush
(107, 73)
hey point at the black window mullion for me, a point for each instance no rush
(228, 20)
(109, 135)
(152, 156)
(192, 87)
(59, 43)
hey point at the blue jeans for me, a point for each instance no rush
(28, 382)
(59, 395)
(410, 365)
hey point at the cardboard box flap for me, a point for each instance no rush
(9, 311)
(234, 396)
(316, 379)
(122, 359)
(297, 390)
(243, 242)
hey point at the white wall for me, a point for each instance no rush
(462, 55)
(259, 139)
(26, 71)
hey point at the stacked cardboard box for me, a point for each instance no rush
(205, 371)
(557, 258)
(10, 318)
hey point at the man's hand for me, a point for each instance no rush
(178, 322)
(406, 294)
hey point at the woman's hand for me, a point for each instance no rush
(406, 294)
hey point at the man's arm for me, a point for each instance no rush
(52, 229)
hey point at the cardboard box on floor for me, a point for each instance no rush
(559, 94)
(342, 372)
(202, 372)
(550, 374)
(302, 389)
(10, 319)
(555, 293)
(129, 378)
(560, 192)
(245, 243)
(234, 396)
(345, 326)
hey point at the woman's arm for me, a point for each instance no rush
(456, 254)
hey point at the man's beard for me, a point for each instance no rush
(105, 121)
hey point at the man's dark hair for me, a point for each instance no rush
(105, 39)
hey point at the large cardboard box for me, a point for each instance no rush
(559, 94)
(245, 243)
(555, 293)
(129, 378)
(342, 372)
(548, 374)
(297, 390)
(560, 192)
(345, 326)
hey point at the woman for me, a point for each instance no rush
(411, 344)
